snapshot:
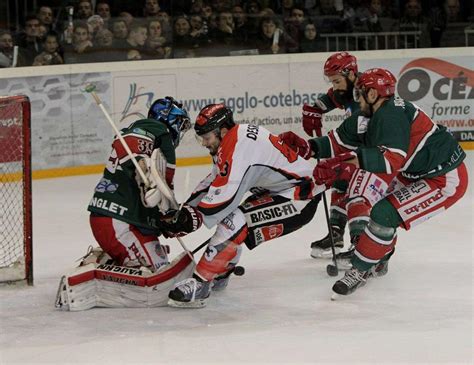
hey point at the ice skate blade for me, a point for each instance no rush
(334, 297)
(199, 303)
(317, 253)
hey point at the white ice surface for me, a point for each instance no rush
(279, 312)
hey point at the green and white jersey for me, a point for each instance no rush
(117, 194)
(398, 137)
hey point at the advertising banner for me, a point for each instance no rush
(67, 128)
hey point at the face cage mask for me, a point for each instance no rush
(179, 126)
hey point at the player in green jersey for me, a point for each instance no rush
(401, 169)
(341, 71)
(124, 212)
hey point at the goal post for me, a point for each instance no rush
(16, 251)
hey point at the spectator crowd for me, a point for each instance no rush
(95, 31)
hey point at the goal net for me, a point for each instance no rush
(15, 191)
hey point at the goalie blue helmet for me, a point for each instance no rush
(170, 112)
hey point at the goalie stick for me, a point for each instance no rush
(161, 184)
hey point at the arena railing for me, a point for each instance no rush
(370, 40)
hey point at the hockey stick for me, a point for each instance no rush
(162, 186)
(332, 270)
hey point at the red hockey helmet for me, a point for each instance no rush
(379, 79)
(340, 63)
(212, 117)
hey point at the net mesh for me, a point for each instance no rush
(11, 184)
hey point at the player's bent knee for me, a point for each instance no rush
(385, 214)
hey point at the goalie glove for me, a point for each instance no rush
(180, 223)
(154, 168)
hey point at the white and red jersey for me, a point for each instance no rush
(250, 158)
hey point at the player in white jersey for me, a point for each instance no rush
(247, 158)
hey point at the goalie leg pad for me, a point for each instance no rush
(113, 286)
(126, 244)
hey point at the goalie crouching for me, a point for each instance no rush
(131, 268)
(246, 158)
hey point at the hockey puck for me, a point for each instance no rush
(239, 270)
(332, 270)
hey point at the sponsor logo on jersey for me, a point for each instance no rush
(106, 186)
(228, 221)
(411, 191)
(362, 124)
(358, 183)
(424, 205)
(267, 233)
(106, 205)
(273, 213)
(257, 202)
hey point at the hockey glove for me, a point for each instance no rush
(312, 120)
(334, 169)
(297, 144)
(178, 224)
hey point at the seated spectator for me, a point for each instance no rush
(223, 37)
(151, 8)
(166, 27)
(95, 23)
(209, 17)
(51, 52)
(199, 31)
(29, 40)
(102, 9)
(272, 39)
(7, 53)
(45, 16)
(241, 27)
(81, 47)
(438, 19)
(84, 9)
(368, 17)
(294, 27)
(103, 50)
(182, 40)
(135, 41)
(156, 46)
(119, 29)
(453, 8)
(311, 42)
(127, 17)
(413, 20)
(254, 19)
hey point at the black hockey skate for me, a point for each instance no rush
(352, 280)
(190, 293)
(322, 247)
